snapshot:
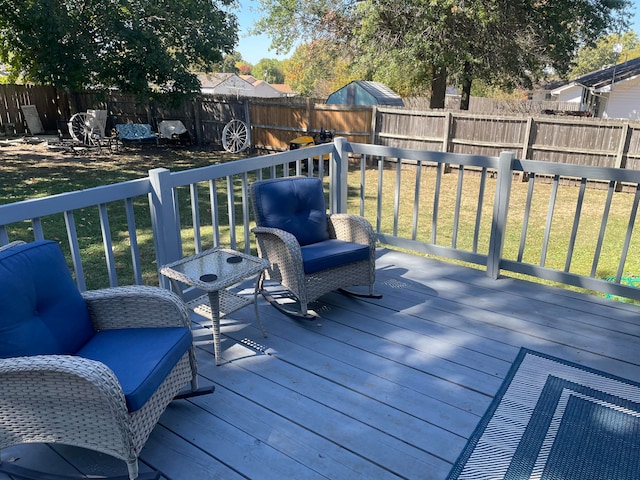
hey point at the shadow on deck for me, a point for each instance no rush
(373, 389)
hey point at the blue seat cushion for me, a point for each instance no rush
(41, 309)
(294, 204)
(141, 358)
(332, 253)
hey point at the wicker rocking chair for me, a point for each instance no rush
(93, 370)
(311, 253)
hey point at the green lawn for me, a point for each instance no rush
(36, 172)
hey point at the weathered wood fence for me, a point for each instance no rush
(275, 122)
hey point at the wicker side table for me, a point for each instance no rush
(213, 271)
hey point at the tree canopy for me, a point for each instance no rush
(415, 45)
(592, 58)
(137, 46)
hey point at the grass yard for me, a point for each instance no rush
(31, 171)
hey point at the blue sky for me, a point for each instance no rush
(255, 48)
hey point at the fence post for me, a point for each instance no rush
(338, 180)
(500, 213)
(164, 224)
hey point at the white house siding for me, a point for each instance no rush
(571, 93)
(624, 101)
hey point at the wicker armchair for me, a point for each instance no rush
(311, 253)
(94, 370)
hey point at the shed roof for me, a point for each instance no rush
(361, 92)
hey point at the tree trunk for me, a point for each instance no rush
(438, 87)
(467, 78)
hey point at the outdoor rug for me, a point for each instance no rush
(556, 420)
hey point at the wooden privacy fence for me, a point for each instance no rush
(275, 122)
(578, 141)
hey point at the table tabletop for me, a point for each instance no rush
(214, 269)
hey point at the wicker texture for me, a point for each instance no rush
(77, 401)
(283, 252)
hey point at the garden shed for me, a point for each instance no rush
(360, 92)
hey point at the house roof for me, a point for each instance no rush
(604, 77)
(376, 94)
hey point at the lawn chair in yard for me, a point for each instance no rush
(310, 253)
(94, 369)
(174, 131)
(136, 134)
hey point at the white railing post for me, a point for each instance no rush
(339, 176)
(166, 231)
(500, 213)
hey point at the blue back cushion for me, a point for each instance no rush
(41, 309)
(295, 205)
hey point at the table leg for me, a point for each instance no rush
(214, 303)
(257, 288)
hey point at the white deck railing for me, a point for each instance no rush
(460, 207)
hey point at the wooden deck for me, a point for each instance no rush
(376, 389)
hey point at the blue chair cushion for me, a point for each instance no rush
(41, 309)
(294, 204)
(141, 358)
(332, 253)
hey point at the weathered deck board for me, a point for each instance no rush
(388, 388)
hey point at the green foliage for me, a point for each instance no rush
(138, 46)
(268, 69)
(418, 44)
(592, 58)
(317, 69)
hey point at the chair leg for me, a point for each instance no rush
(351, 293)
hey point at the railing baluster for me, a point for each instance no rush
(525, 219)
(231, 208)
(627, 238)
(363, 178)
(76, 258)
(456, 214)
(36, 224)
(396, 197)
(576, 223)
(108, 245)
(195, 217)
(379, 201)
(416, 201)
(547, 230)
(603, 228)
(215, 218)
(245, 212)
(476, 234)
(436, 202)
(4, 237)
(133, 241)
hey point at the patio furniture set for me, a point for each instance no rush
(96, 369)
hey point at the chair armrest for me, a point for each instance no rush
(59, 391)
(286, 240)
(282, 250)
(351, 228)
(136, 306)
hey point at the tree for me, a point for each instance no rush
(509, 42)
(317, 69)
(602, 53)
(138, 46)
(269, 70)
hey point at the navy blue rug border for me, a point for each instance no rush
(475, 437)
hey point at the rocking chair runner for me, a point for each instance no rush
(311, 253)
(94, 370)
